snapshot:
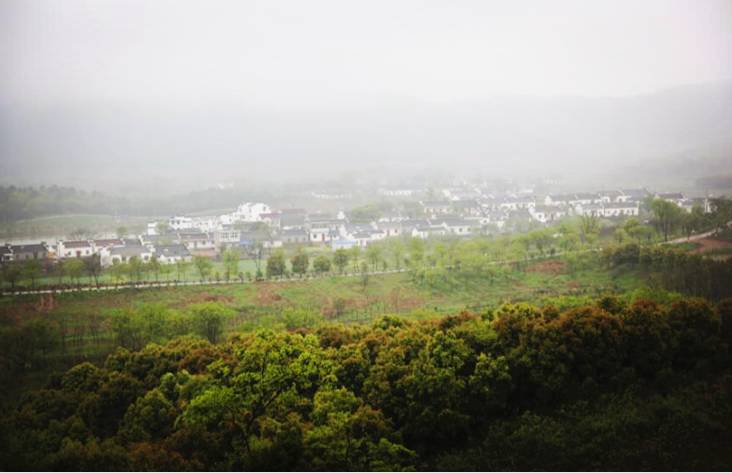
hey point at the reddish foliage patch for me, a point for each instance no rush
(208, 297)
(707, 244)
(266, 294)
(19, 311)
(550, 267)
(574, 285)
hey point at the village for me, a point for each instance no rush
(255, 228)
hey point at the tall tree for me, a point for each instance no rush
(300, 263)
(340, 259)
(93, 266)
(209, 319)
(231, 263)
(276, 264)
(355, 256)
(154, 266)
(666, 216)
(373, 254)
(181, 268)
(32, 270)
(203, 265)
(321, 264)
(74, 269)
(136, 267)
(589, 229)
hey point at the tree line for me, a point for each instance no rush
(675, 269)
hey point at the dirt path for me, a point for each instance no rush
(708, 244)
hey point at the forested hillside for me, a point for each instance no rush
(17, 203)
(611, 385)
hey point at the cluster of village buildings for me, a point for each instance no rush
(255, 226)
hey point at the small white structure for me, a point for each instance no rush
(170, 254)
(180, 223)
(454, 225)
(621, 209)
(197, 241)
(321, 234)
(123, 254)
(250, 212)
(226, 237)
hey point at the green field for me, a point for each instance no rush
(87, 319)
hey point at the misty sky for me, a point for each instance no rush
(93, 91)
(289, 52)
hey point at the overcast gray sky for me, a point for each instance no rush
(99, 93)
(295, 52)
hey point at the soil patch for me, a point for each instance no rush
(266, 294)
(208, 297)
(707, 244)
(548, 267)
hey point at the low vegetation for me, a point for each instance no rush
(608, 385)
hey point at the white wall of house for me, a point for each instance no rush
(180, 223)
(63, 252)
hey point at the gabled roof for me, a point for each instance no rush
(194, 236)
(77, 244)
(622, 205)
(128, 251)
(294, 232)
(172, 251)
(109, 242)
(30, 248)
(671, 195)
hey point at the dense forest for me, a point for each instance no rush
(611, 385)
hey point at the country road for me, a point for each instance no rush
(698, 236)
(173, 284)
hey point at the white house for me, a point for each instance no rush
(170, 254)
(123, 254)
(391, 229)
(676, 197)
(321, 233)
(74, 249)
(607, 197)
(621, 209)
(180, 223)
(397, 192)
(426, 231)
(557, 199)
(294, 236)
(250, 212)
(517, 203)
(226, 237)
(436, 207)
(455, 225)
(197, 241)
